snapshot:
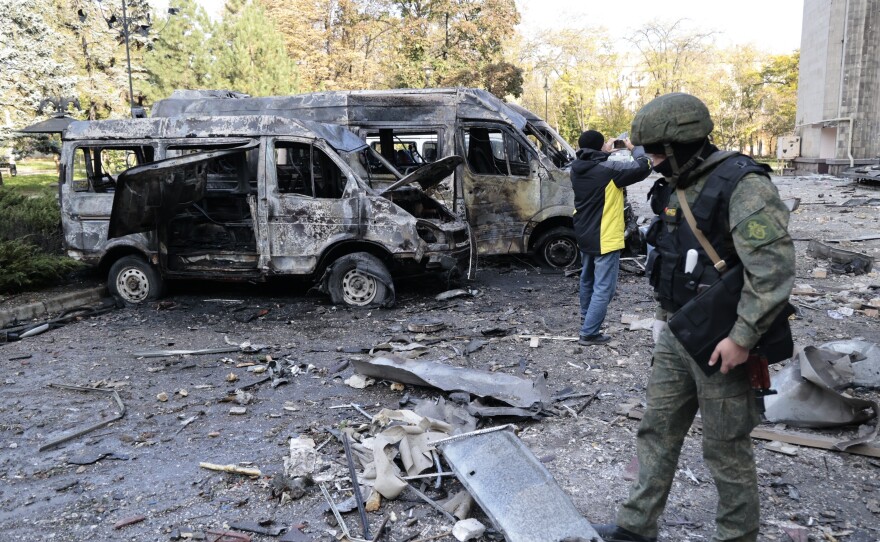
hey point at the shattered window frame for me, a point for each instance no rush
(408, 140)
(84, 160)
(248, 185)
(509, 141)
(346, 178)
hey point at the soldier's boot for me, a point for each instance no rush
(613, 533)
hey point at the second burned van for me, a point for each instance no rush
(513, 186)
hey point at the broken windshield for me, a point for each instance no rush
(549, 142)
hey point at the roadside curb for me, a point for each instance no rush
(58, 303)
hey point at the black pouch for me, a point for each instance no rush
(707, 319)
(777, 344)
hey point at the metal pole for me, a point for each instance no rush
(358, 498)
(128, 59)
(546, 99)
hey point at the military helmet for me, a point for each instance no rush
(671, 118)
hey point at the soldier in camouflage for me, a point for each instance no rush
(674, 130)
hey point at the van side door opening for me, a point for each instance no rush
(217, 232)
(501, 187)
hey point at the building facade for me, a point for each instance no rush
(838, 109)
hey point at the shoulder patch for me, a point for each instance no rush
(756, 228)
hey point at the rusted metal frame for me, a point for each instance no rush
(119, 416)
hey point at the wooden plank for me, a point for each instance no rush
(792, 437)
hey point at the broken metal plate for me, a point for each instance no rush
(808, 394)
(865, 357)
(512, 390)
(513, 488)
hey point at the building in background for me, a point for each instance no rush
(838, 108)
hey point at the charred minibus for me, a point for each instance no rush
(245, 198)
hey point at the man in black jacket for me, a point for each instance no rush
(599, 225)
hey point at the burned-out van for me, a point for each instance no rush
(513, 187)
(245, 198)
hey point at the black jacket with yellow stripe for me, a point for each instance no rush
(599, 198)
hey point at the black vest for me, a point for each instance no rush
(672, 236)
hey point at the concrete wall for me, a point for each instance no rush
(839, 77)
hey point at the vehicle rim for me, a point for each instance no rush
(133, 285)
(560, 252)
(358, 288)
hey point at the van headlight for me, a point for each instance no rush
(430, 233)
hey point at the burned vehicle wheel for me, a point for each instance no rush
(134, 280)
(360, 280)
(558, 248)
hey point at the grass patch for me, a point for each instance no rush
(32, 184)
(35, 176)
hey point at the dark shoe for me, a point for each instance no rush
(613, 533)
(591, 340)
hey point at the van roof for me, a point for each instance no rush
(205, 126)
(362, 107)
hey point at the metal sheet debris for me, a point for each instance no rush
(865, 359)
(513, 488)
(511, 390)
(808, 394)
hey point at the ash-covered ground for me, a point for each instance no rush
(150, 459)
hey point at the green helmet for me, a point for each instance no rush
(671, 118)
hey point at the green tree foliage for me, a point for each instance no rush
(34, 219)
(736, 103)
(586, 82)
(250, 55)
(178, 58)
(93, 46)
(780, 80)
(455, 42)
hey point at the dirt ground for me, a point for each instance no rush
(149, 462)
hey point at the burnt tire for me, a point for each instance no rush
(133, 280)
(360, 280)
(558, 248)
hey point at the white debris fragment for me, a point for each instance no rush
(468, 529)
(303, 458)
(359, 382)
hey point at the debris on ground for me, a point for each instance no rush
(807, 394)
(842, 261)
(511, 390)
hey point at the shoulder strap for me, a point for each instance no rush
(720, 264)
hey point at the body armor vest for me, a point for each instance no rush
(672, 236)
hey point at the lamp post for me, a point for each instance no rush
(128, 60)
(546, 98)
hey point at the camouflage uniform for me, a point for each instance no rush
(758, 223)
